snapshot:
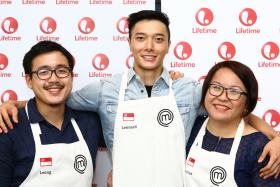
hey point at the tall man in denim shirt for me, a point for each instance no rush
(139, 110)
(149, 40)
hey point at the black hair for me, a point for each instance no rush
(45, 47)
(148, 15)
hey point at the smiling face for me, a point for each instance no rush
(149, 44)
(220, 108)
(53, 91)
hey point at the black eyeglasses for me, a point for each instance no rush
(231, 93)
(46, 73)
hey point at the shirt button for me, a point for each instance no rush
(142, 91)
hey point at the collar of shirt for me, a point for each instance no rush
(36, 117)
(164, 76)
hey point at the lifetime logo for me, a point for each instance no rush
(204, 16)
(3, 61)
(8, 95)
(100, 61)
(48, 25)
(218, 175)
(182, 50)
(165, 117)
(86, 25)
(226, 51)
(9, 25)
(248, 17)
(272, 117)
(270, 50)
(129, 61)
(122, 25)
(80, 164)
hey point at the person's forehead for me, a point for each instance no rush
(149, 26)
(50, 59)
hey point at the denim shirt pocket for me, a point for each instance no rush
(185, 112)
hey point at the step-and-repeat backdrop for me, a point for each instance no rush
(94, 31)
(204, 32)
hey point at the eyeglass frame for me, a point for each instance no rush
(52, 71)
(224, 88)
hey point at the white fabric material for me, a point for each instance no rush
(210, 168)
(149, 148)
(60, 164)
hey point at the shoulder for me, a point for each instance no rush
(186, 81)
(251, 146)
(85, 115)
(114, 80)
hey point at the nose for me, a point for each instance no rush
(53, 77)
(223, 96)
(149, 44)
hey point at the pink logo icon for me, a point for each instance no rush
(8, 95)
(9, 25)
(122, 25)
(248, 17)
(226, 51)
(272, 117)
(86, 25)
(204, 16)
(270, 50)
(48, 25)
(3, 61)
(100, 61)
(183, 50)
(129, 61)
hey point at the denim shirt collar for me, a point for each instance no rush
(164, 76)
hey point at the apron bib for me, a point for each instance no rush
(61, 164)
(149, 142)
(209, 168)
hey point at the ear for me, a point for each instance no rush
(28, 80)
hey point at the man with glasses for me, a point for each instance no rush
(53, 145)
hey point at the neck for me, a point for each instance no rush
(223, 129)
(149, 77)
(53, 114)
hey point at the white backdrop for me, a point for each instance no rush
(94, 31)
(204, 32)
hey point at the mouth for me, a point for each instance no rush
(54, 88)
(149, 58)
(221, 108)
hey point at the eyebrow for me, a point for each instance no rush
(157, 34)
(49, 67)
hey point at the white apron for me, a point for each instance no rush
(61, 164)
(149, 142)
(210, 168)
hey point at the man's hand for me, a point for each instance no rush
(7, 109)
(110, 179)
(174, 75)
(272, 168)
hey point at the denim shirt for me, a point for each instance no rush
(102, 96)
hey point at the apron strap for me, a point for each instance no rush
(236, 141)
(36, 131)
(237, 138)
(123, 85)
(77, 129)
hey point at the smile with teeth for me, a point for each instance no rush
(149, 57)
(221, 108)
